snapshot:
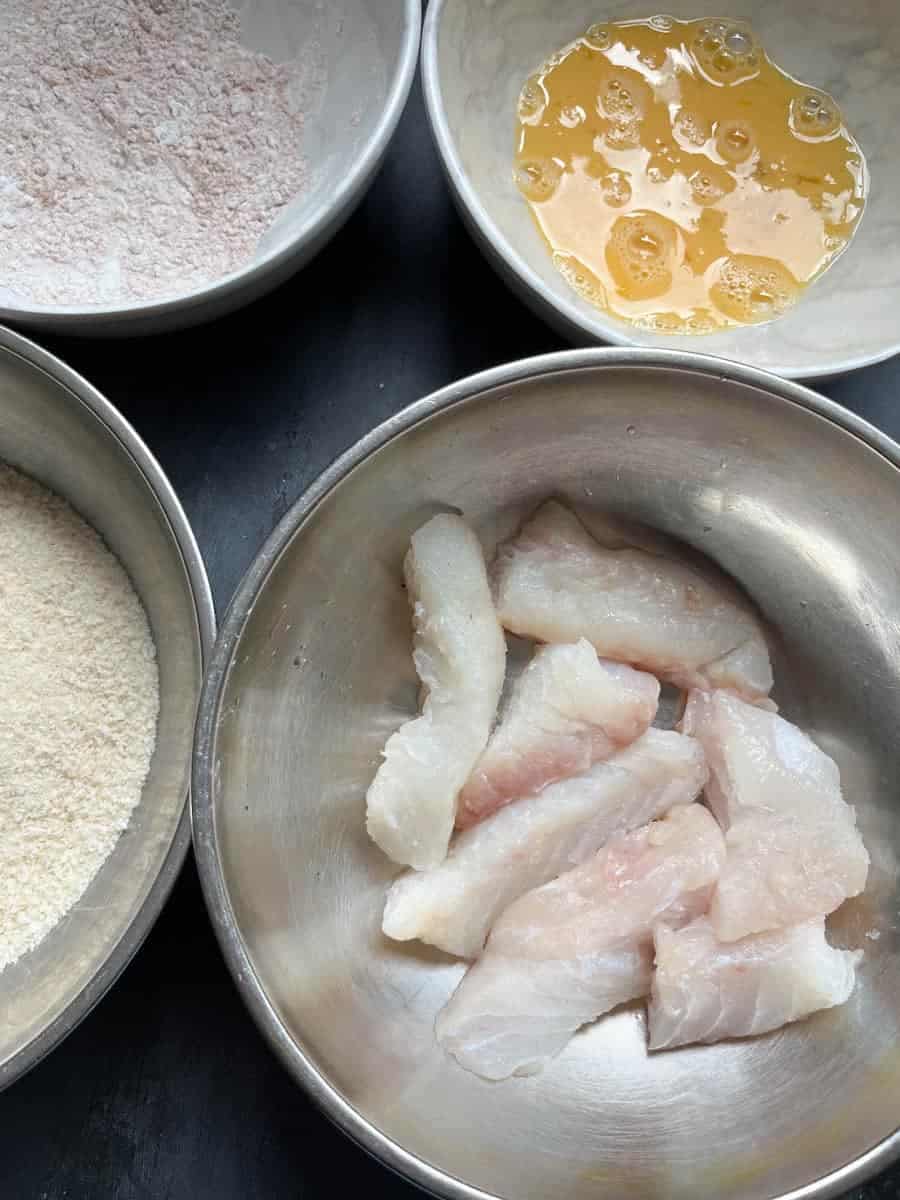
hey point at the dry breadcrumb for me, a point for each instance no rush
(79, 697)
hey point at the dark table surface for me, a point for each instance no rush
(166, 1090)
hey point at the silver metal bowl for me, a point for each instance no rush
(476, 57)
(58, 429)
(366, 51)
(796, 498)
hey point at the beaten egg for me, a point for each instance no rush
(682, 181)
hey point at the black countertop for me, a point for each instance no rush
(166, 1091)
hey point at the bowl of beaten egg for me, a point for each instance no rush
(667, 180)
(795, 499)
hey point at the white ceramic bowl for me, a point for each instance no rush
(366, 50)
(476, 54)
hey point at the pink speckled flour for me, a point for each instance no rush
(144, 150)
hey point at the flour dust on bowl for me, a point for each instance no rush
(610, 170)
(168, 162)
(791, 496)
(107, 619)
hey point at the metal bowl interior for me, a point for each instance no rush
(797, 500)
(56, 428)
(364, 54)
(475, 58)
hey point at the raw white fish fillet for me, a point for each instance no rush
(568, 710)
(794, 851)
(705, 990)
(555, 583)
(567, 952)
(527, 843)
(460, 655)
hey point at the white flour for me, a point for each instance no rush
(144, 152)
(79, 697)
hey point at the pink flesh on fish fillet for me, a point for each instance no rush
(794, 851)
(705, 990)
(525, 844)
(555, 583)
(568, 710)
(567, 952)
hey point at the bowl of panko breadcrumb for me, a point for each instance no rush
(106, 619)
(544, 786)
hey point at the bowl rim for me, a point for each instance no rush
(323, 221)
(130, 444)
(561, 312)
(204, 772)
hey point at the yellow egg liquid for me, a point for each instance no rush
(683, 181)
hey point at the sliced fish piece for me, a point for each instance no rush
(705, 990)
(568, 710)
(460, 656)
(794, 851)
(567, 952)
(555, 583)
(525, 844)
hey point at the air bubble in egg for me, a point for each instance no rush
(531, 99)
(761, 300)
(571, 116)
(705, 189)
(538, 179)
(616, 189)
(598, 36)
(725, 53)
(624, 136)
(814, 117)
(750, 289)
(691, 129)
(640, 253)
(734, 141)
(738, 42)
(645, 246)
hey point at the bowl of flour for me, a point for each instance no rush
(106, 620)
(166, 161)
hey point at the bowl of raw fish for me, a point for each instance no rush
(62, 433)
(475, 59)
(355, 61)
(707, 463)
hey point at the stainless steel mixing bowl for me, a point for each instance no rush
(796, 498)
(363, 55)
(58, 429)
